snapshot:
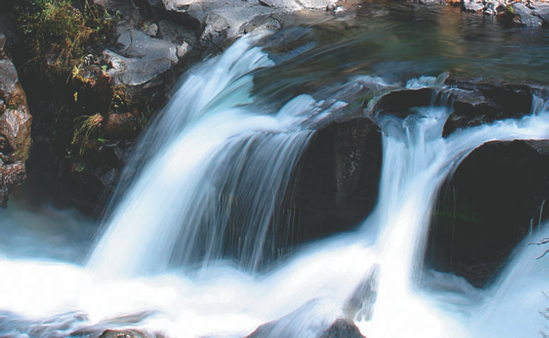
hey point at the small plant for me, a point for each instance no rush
(58, 32)
(85, 127)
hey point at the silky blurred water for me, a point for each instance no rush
(236, 125)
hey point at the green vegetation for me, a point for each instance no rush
(86, 126)
(58, 32)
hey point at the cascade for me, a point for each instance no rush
(215, 147)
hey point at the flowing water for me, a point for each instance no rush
(190, 228)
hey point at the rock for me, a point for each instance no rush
(182, 49)
(268, 23)
(335, 183)
(215, 31)
(144, 67)
(473, 6)
(523, 15)
(122, 334)
(493, 199)
(174, 33)
(15, 127)
(360, 305)
(314, 4)
(479, 103)
(267, 3)
(152, 30)
(399, 102)
(304, 323)
(342, 329)
(140, 58)
(120, 125)
(541, 10)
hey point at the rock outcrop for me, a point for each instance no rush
(492, 201)
(528, 13)
(478, 103)
(15, 127)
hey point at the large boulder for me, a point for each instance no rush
(492, 201)
(525, 16)
(541, 10)
(15, 127)
(335, 184)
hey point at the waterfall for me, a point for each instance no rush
(210, 174)
(217, 171)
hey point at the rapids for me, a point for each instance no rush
(160, 262)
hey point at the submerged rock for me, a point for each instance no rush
(15, 127)
(492, 201)
(305, 321)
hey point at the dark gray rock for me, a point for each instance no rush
(541, 10)
(488, 205)
(342, 329)
(399, 102)
(523, 15)
(478, 103)
(215, 30)
(266, 22)
(336, 182)
(139, 60)
(174, 33)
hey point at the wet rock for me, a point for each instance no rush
(129, 334)
(477, 103)
(360, 305)
(523, 15)
(15, 126)
(120, 125)
(490, 203)
(335, 184)
(138, 59)
(342, 329)
(399, 102)
(303, 322)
